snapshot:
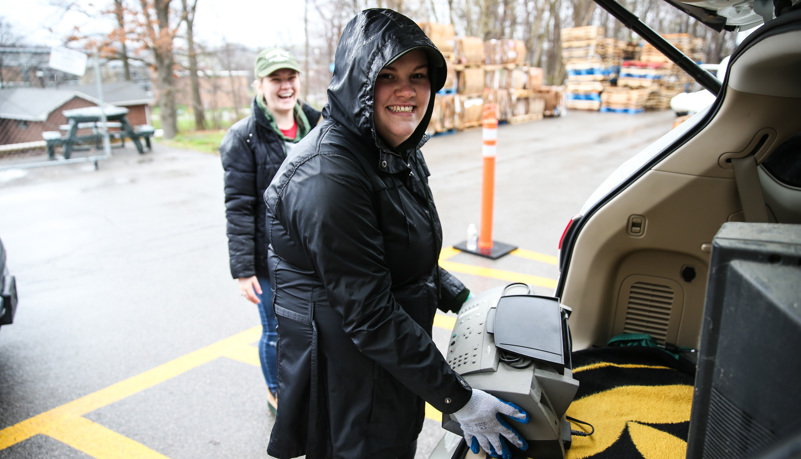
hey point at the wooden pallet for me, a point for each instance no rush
(582, 33)
(643, 64)
(584, 86)
(634, 72)
(469, 50)
(624, 97)
(591, 105)
(517, 119)
(630, 82)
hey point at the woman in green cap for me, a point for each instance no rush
(251, 152)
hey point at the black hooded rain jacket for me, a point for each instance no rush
(355, 240)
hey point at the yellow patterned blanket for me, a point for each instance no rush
(638, 399)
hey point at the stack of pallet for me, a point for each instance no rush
(536, 101)
(444, 38)
(553, 100)
(482, 72)
(692, 47)
(631, 51)
(641, 74)
(650, 70)
(647, 76)
(624, 100)
(442, 35)
(592, 62)
(517, 97)
(469, 58)
(511, 85)
(501, 52)
(673, 79)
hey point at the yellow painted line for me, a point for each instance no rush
(510, 276)
(433, 413)
(535, 256)
(443, 321)
(448, 252)
(65, 423)
(96, 440)
(244, 353)
(492, 273)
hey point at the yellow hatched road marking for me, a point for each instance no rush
(443, 321)
(499, 274)
(67, 424)
(541, 257)
(491, 273)
(96, 440)
(433, 413)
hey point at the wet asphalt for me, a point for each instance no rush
(131, 338)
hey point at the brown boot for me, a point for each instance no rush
(272, 402)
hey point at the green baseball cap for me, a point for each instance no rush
(270, 60)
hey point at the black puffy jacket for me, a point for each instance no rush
(355, 239)
(251, 153)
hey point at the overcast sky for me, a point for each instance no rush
(255, 23)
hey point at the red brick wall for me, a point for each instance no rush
(138, 114)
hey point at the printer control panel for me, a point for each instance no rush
(472, 344)
(471, 348)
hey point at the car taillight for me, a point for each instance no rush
(562, 239)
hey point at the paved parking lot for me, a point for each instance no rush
(131, 339)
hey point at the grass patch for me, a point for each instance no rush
(203, 141)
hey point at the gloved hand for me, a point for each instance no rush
(482, 424)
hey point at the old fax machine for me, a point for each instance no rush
(516, 346)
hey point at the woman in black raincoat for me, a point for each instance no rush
(355, 238)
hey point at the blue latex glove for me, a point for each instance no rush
(483, 425)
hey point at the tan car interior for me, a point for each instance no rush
(640, 263)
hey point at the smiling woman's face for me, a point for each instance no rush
(280, 90)
(402, 92)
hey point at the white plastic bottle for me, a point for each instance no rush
(472, 237)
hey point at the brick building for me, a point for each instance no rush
(27, 112)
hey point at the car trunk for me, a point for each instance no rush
(637, 259)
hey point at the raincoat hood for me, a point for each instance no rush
(370, 41)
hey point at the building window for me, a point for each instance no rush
(22, 124)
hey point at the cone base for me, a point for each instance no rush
(497, 250)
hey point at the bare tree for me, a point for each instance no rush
(122, 38)
(146, 26)
(7, 35)
(159, 36)
(555, 70)
(305, 90)
(194, 83)
(536, 29)
(7, 38)
(229, 58)
(582, 12)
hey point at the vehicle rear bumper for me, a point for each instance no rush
(8, 300)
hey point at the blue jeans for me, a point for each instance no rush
(269, 336)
